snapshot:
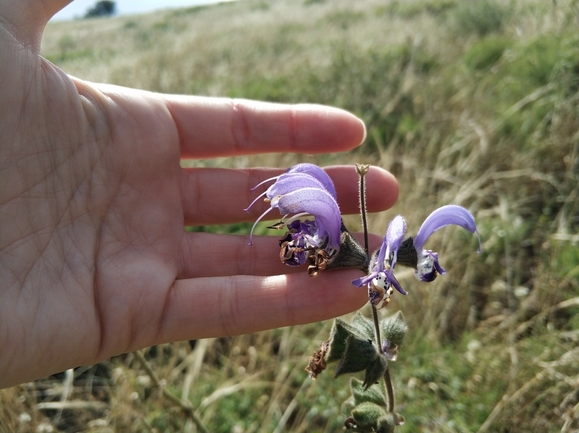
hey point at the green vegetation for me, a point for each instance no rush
(473, 103)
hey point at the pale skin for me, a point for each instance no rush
(94, 258)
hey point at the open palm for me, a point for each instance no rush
(94, 259)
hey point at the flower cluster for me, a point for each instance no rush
(303, 191)
(323, 242)
(410, 252)
(316, 236)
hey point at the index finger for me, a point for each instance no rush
(216, 127)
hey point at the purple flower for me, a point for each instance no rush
(410, 252)
(390, 350)
(304, 190)
(427, 266)
(381, 278)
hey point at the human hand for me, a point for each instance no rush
(94, 258)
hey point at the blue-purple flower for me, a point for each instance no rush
(410, 252)
(389, 349)
(427, 266)
(303, 191)
(381, 279)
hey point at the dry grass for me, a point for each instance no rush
(486, 121)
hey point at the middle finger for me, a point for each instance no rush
(219, 195)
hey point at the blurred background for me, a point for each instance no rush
(79, 9)
(474, 103)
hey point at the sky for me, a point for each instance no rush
(78, 8)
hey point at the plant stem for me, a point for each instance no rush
(389, 390)
(387, 378)
(184, 404)
(362, 170)
(377, 329)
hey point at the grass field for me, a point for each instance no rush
(468, 102)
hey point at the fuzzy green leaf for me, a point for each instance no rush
(364, 326)
(360, 394)
(367, 414)
(338, 337)
(386, 424)
(394, 328)
(375, 371)
(358, 355)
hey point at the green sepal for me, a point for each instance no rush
(350, 255)
(394, 328)
(375, 371)
(360, 394)
(407, 254)
(386, 424)
(338, 337)
(360, 327)
(359, 355)
(364, 326)
(367, 415)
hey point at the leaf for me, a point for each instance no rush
(375, 371)
(394, 328)
(337, 341)
(366, 415)
(338, 336)
(386, 424)
(360, 394)
(364, 326)
(358, 355)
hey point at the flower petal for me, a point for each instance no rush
(428, 267)
(395, 235)
(392, 279)
(390, 350)
(441, 217)
(290, 182)
(316, 172)
(317, 202)
(392, 240)
(366, 279)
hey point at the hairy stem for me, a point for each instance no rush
(185, 405)
(387, 380)
(377, 329)
(362, 170)
(389, 390)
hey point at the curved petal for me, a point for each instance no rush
(316, 172)
(363, 281)
(391, 242)
(395, 236)
(317, 202)
(289, 182)
(441, 217)
(428, 267)
(395, 282)
(379, 266)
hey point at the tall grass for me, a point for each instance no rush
(470, 103)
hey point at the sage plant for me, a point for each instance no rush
(316, 235)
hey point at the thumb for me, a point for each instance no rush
(26, 19)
